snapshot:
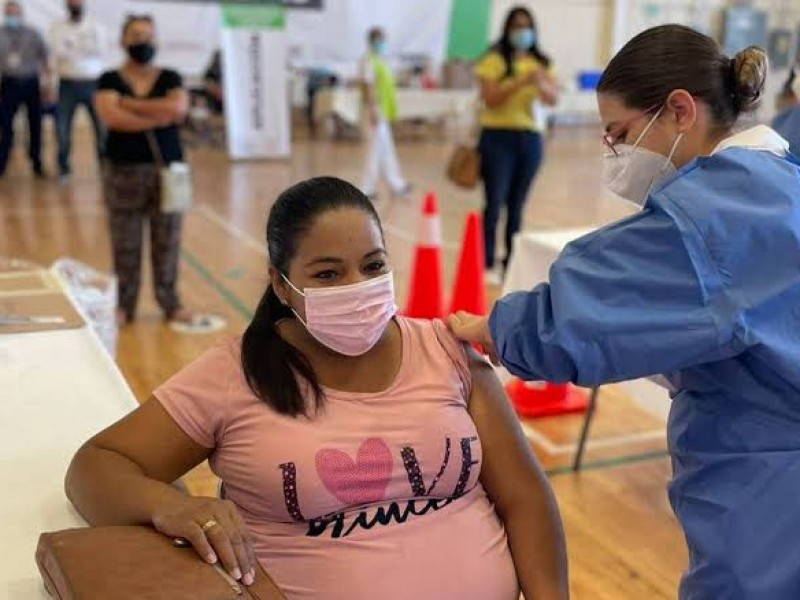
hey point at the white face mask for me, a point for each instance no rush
(349, 319)
(633, 171)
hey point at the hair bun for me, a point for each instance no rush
(749, 69)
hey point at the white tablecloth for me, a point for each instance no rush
(411, 104)
(534, 254)
(57, 389)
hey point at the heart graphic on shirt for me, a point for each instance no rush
(361, 482)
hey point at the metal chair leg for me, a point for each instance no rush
(587, 423)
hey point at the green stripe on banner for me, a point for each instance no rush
(253, 17)
(469, 29)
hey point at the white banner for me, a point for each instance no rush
(187, 33)
(256, 82)
(334, 37)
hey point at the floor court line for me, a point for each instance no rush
(226, 294)
(245, 238)
(608, 464)
(212, 215)
(553, 449)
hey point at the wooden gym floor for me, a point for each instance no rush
(624, 542)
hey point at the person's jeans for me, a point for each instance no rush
(14, 93)
(73, 93)
(510, 160)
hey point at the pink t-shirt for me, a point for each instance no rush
(376, 497)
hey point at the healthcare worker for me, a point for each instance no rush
(787, 123)
(703, 286)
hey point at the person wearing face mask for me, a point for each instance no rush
(358, 450)
(380, 101)
(78, 49)
(25, 81)
(514, 74)
(142, 105)
(701, 286)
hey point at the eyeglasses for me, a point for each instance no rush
(612, 138)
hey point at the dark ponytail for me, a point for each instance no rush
(671, 57)
(276, 371)
(505, 48)
(271, 365)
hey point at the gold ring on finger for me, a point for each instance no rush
(210, 524)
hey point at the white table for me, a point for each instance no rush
(411, 104)
(57, 389)
(534, 254)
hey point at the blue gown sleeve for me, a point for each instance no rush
(624, 303)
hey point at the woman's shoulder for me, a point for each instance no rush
(214, 368)
(433, 344)
(170, 74)
(430, 330)
(199, 396)
(491, 64)
(109, 78)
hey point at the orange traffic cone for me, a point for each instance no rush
(426, 294)
(539, 399)
(469, 293)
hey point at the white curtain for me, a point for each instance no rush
(335, 37)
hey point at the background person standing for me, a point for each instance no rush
(142, 104)
(380, 99)
(23, 61)
(514, 74)
(77, 46)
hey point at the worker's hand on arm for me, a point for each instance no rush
(474, 330)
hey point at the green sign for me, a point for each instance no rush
(253, 17)
(469, 29)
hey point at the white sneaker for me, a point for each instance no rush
(494, 277)
(403, 192)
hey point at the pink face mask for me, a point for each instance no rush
(349, 319)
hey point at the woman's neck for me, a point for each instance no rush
(134, 68)
(713, 140)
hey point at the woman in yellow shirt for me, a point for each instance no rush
(514, 74)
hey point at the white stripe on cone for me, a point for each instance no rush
(430, 232)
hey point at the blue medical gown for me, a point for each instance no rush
(788, 125)
(702, 286)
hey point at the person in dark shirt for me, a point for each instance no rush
(142, 105)
(212, 82)
(23, 63)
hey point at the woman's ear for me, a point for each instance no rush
(279, 285)
(682, 106)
